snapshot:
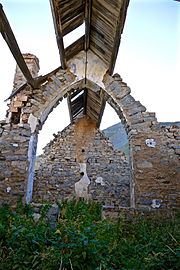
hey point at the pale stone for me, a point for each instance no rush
(156, 203)
(99, 180)
(33, 122)
(8, 189)
(151, 143)
(36, 217)
(144, 164)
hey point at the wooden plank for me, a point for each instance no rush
(58, 32)
(103, 105)
(103, 30)
(72, 13)
(10, 39)
(93, 103)
(94, 106)
(77, 113)
(91, 113)
(94, 96)
(66, 6)
(99, 17)
(78, 107)
(69, 107)
(38, 81)
(88, 10)
(75, 48)
(85, 100)
(99, 42)
(119, 29)
(111, 6)
(99, 52)
(72, 24)
(75, 93)
(77, 100)
(100, 11)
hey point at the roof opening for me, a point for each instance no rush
(74, 35)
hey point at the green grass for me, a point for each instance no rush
(81, 240)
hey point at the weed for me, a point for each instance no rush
(83, 241)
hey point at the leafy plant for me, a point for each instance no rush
(82, 240)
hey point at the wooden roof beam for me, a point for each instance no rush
(119, 30)
(76, 105)
(88, 10)
(58, 32)
(103, 104)
(70, 109)
(85, 100)
(10, 39)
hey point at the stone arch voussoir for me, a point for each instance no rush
(132, 113)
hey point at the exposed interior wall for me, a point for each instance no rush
(82, 148)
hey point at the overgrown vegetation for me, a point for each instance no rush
(81, 240)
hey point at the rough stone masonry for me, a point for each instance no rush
(81, 161)
(150, 179)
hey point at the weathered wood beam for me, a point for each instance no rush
(92, 113)
(103, 104)
(85, 100)
(10, 39)
(73, 24)
(76, 101)
(77, 113)
(119, 30)
(70, 109)
(75, 48)
(38, 81)
(58, 32)
(75, 106)
(78, 109)
(76, 93)
(88, 10)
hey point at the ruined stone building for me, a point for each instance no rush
(80, 161)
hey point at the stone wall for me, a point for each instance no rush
(154, 150)
(14, 143)
(59, 168)
(157, 168)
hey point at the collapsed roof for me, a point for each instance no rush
(104, 22)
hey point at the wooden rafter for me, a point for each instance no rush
(117, 39)
(38, 81)
(88, 9)
(76, 103)
(10, 39)
(103, 104)
(85, 100)
(74, 48)
(70, 109)
(58, 32)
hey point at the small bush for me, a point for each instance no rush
(82, 240)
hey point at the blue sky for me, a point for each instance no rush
(148, 59)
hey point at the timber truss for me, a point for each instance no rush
(103, 22)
